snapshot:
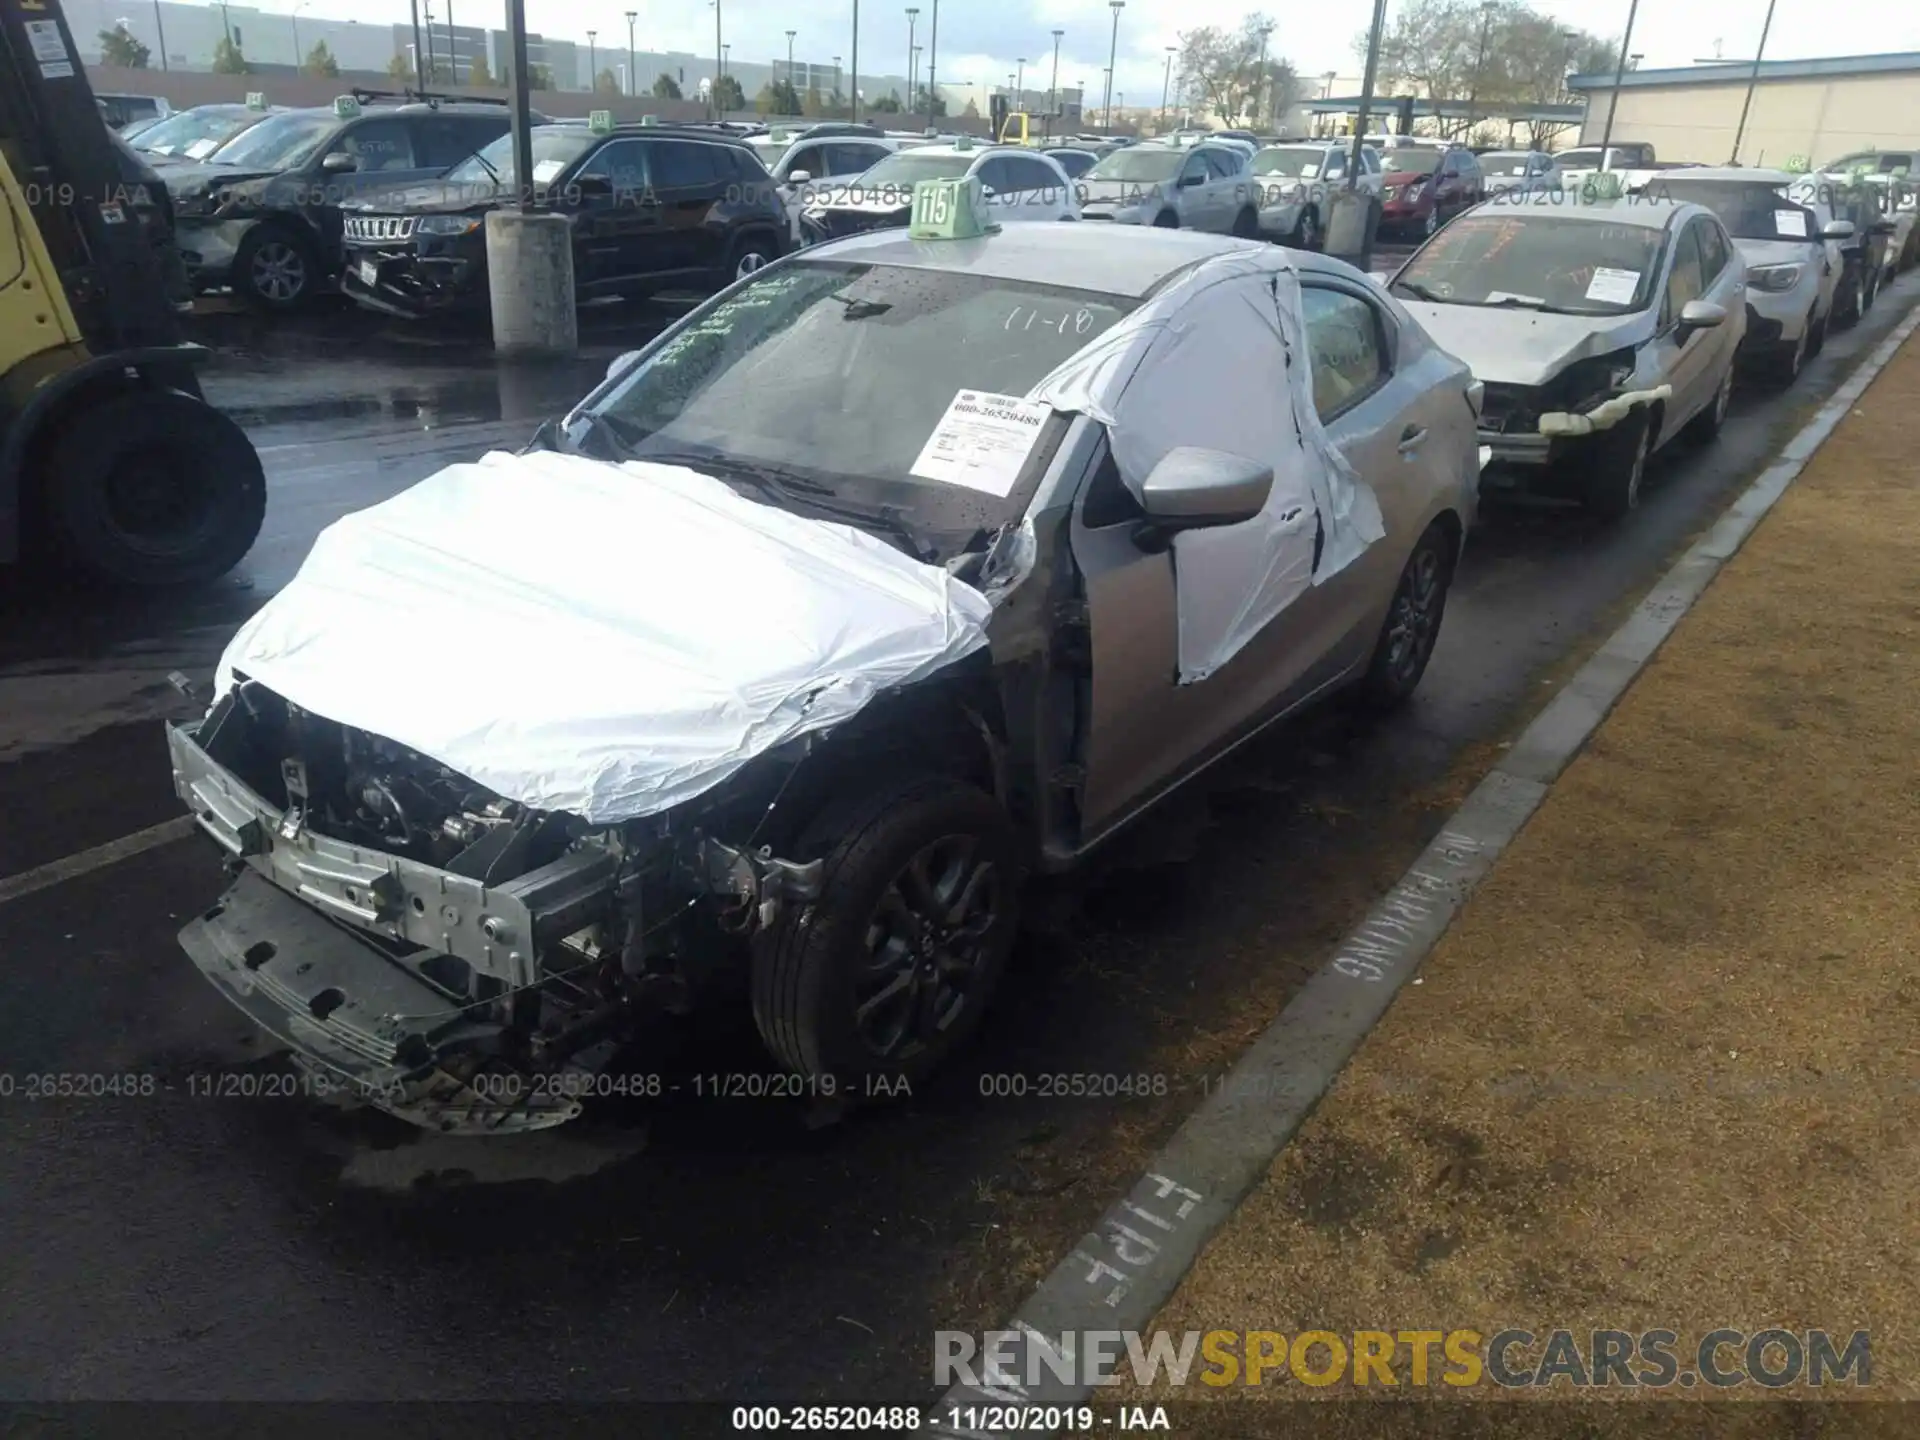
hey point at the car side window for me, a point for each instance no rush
(1024, 175)
(1684, 282)
(682, 165)
(445, 140)
(623, 164)
(1223, 165)
(1335, 167)
(1714, 251)
(811, 158)
(1195, 168)
(1344, 345)
(383, 144)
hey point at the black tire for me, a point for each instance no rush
(1306, 230)
(1704, 428)
(1246, 225)
(1816, 336)
(1869, 288)
(1412, 626)
(1166, 220)
(1846, 303)
(151, 488)
(749, 253)
(1430, 224)
(1619, 466)
(881, 849)
(277, 268)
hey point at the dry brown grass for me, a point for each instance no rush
(1662, 1073)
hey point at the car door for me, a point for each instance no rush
(847, 158)
(1232, 185)
(1191, 195)
(688, 181)
(1724, 276)
(1685, 361)
(619, 234)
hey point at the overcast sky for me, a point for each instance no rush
(980, 40)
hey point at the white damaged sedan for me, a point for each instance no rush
(906, 567)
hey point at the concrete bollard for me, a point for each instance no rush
(530, 277)
(1353, 219)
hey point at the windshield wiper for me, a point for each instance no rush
(810, 495)
(487, 165)
(615, 435)
(1420, 292)
(726, 467)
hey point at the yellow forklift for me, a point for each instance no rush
(112, 463)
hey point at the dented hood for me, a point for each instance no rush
(1525, 347)
(604, 640)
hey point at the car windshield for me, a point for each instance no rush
(770, 151)
(1587, 159)
(1506, 162)
(1536, 262)
(279, 142)
(1075, 162)
(1139, 164)
(1749, 210)
(837, 375)
(195, 132)
(1299, 162)
(906, 169)
(1406, 160)
(553, 151)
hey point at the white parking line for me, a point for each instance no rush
(71, 867)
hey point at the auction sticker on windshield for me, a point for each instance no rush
(982, 442)
(1790, 222)
(1613, 287)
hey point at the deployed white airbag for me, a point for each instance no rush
(605, 640)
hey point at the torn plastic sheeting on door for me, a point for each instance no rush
(604, 640)
(1193, 367)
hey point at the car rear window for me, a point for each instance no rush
(1749, 211)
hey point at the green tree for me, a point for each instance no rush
(117, 47)
(778, 98)
(972, 112)
(888, 104)
(479, 72)
(665, 87)
(399, 68)
(320, 61)
(539, 77)
(728, 96)
(227, 59)
(606, 83)
(1224, 67)
(811, 103)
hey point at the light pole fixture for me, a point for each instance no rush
(1113, 52)
(417, 51)
(593, 63)
(853, 95)
(453, 57)
(1020, 79)
(913, 19)
(1266, 82)
(1053, 86)
(790, 85)
(933, 54)
(1166, 83)
(160, 34)
(633, 70)
(1487, 8)
(293, 19)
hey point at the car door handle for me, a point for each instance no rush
(1412, 438)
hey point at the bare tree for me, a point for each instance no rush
(1223, 67)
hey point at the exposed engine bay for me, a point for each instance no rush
(448, 950)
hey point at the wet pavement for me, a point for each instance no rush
(199, 1239)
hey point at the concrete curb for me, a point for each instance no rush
(1123, 1270)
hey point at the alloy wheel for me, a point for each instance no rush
(749, 262)
(278, 272)
(1414, 622)
(927, 941)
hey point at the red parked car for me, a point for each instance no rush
(1426, 186)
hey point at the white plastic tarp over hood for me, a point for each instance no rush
(1220, 359)
(603, 640)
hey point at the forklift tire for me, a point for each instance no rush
(277, 269)
(151, 488)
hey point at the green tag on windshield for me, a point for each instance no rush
(949, 210)
(346, 107)
(1797, 165)
(600, 122)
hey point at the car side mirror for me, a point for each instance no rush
(1194, 488)
(622, 363)
(799, 177)
(1837, 230)
(1700, 315)
(339, 163)
(1190, 180)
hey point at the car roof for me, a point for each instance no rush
(1633, 210)
(1077, 257)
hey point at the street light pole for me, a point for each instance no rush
(913, 19)
(1020, 80)
(1166, 84)
(160, 34)
(593, 64)
(1753, 78)
(1053, 86)
(293, 18)
(418, 77)
(1613, 101)
(853, 98)
(1113, 51)
(633, 71)
(933, 54)
(1479, 61)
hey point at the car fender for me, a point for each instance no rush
(170, 365)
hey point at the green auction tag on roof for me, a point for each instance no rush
(649, 119)
(949, 210)
(1601, 185)
(256, 100)
(345, 106)
(600, 122)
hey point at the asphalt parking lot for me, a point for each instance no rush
(182, 1241)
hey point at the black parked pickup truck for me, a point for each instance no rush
(653, 207)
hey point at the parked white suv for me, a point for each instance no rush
(1020, 184)
(1295, 182)
(1200, 187)
(808, 167)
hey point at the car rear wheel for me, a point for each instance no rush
(1246, 225)
(890, 970)
(1620, 466)
(1429, 223)
(1166, 220)
(151, 488)
(276, 268)
(1412, 626)
(1816, 336)
(1306, 231)
(749, 253)
(1846, 301)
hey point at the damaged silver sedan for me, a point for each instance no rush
(898, 572)
(1602, 329)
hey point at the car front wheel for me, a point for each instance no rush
(889, 971)
(1619, 460)
(1413, 621)
(276, 268)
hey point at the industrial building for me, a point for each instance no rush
(1815, 110)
